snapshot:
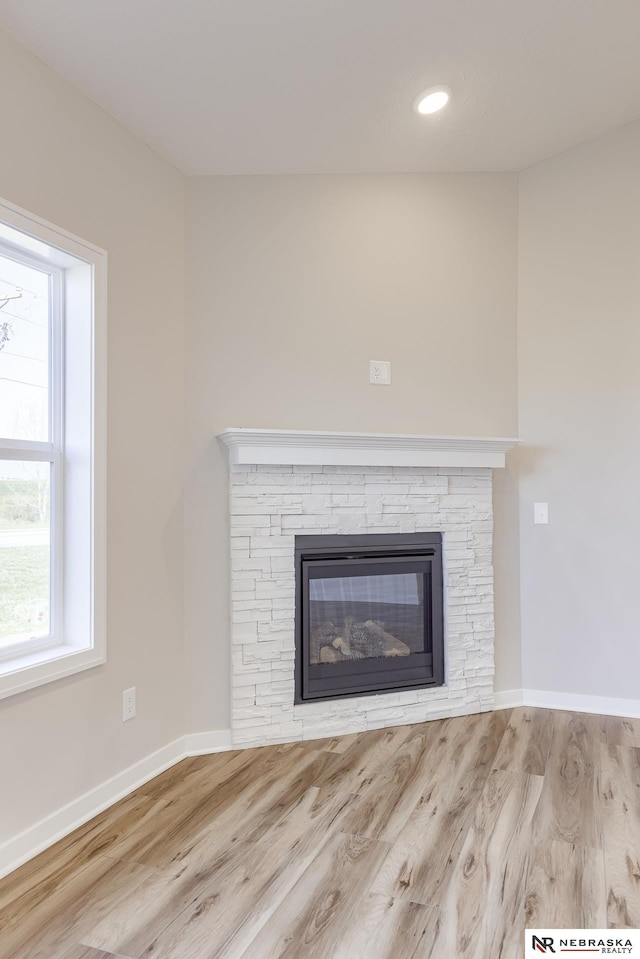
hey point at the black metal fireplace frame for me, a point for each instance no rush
(398, 549)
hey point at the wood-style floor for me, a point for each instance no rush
(444, 839)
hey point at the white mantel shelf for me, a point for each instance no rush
(320, 448)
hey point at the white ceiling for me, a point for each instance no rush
(312, 86)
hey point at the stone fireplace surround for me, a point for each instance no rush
(402, 484)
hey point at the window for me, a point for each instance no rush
(52, 383)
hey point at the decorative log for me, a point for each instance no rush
(329, 655)
(367, 640)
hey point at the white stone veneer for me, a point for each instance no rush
(270, 505)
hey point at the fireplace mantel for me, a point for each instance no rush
(327, 448)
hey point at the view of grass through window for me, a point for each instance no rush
(24, 550)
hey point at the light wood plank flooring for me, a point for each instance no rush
(436, 840)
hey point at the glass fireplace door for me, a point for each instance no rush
(366, 616)
(367, 624)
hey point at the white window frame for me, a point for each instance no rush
(77, 408)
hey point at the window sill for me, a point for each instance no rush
(45, 666)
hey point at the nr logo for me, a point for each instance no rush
(542, 945)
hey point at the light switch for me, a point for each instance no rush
(541, 513)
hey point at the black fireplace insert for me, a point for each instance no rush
(369, 614)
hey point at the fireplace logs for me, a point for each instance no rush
(366, 640)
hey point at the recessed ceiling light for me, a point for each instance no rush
(432, 100)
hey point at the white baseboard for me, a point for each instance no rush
(27, 844)
(214, 741)
(508, 698)
(573, 702)
(577, 703)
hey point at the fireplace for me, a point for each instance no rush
(286, 488)
(369, 614)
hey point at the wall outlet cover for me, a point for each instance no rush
(380, 372)
(129, 704)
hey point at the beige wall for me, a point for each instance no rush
(579, 401)
(64, 159)
(293, 285)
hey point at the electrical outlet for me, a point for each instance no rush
(129, 704)
(380, 372)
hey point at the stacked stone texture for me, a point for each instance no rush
(270, 506)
